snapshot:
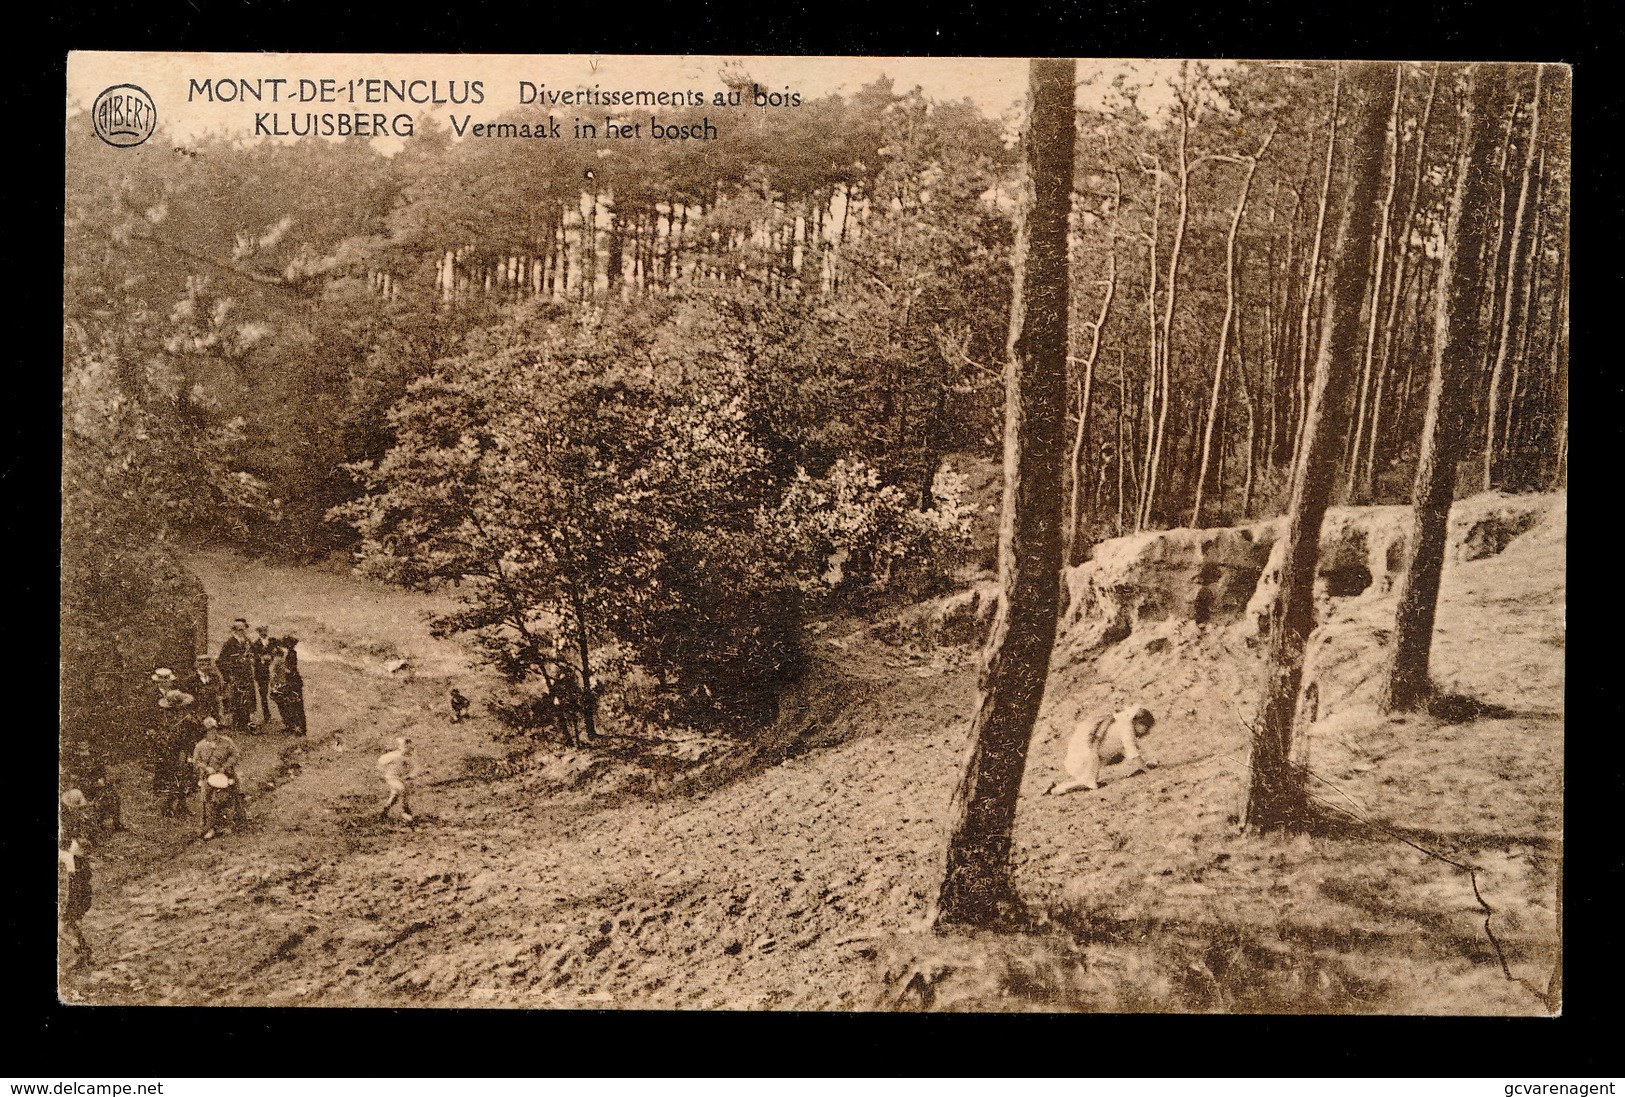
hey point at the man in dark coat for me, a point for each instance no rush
(236, 662)
(262, 650)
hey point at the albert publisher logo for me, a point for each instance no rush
(124, 115)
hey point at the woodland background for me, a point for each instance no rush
(611, 391)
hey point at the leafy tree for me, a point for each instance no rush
(577, 490)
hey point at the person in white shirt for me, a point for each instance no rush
(396, 768)
(1114, 737)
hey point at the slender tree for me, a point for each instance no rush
(1251, 163)
(976, 886)
(1458, 342)
(1276, 798)
(1374, 307)
(1311, 278)
(1086, 382)
(1499, 369)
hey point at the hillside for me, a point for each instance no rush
(702, 879)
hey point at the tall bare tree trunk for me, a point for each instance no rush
(1122, 448)
(1495, 244)
(1174, 250)
(1073, 515)
(1374, 305)
(1224, 325)
(1276, 797)
(1511, 282)
(1279, 366)
(1311, 275)
(976, 886)
(1252, 438)
(1142, 506)
(1559, 368)
(1403, 266)
(1514, 467)
(1458, 339)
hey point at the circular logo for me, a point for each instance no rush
(124, 115)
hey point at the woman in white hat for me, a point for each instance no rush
(165, 680)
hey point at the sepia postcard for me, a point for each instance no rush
(814, 533)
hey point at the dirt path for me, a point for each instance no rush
(803, 885)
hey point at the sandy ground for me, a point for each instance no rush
(803, 885)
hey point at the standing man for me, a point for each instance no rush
(236, 662)
(396, 768)
(215, 761)
(73, 849)
(261, 651)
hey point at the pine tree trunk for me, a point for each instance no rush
(1354, 491)
(976, 887)
(1560, 355)
(1276, 797)
(1143, 503)
(1458, 340)
(1085, 393)
(1311, 275)
(1252, 440)
(1499, 368)
(1122, 446)
(1174, 250)
(1494, 244)
(1403, 269)
(1224, 325)
(1515, 467)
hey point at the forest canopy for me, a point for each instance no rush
(610, 389)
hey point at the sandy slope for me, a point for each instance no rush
(803, 884)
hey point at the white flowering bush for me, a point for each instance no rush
(850, 531)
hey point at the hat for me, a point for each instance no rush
(73, 798)
(203, 657)
(176, 699)
(218, 780)
(163, 674)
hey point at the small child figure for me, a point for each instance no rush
(459, 706)
(396, 768)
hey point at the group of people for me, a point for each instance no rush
(236, 689)
(191, 752)
(249, 676)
